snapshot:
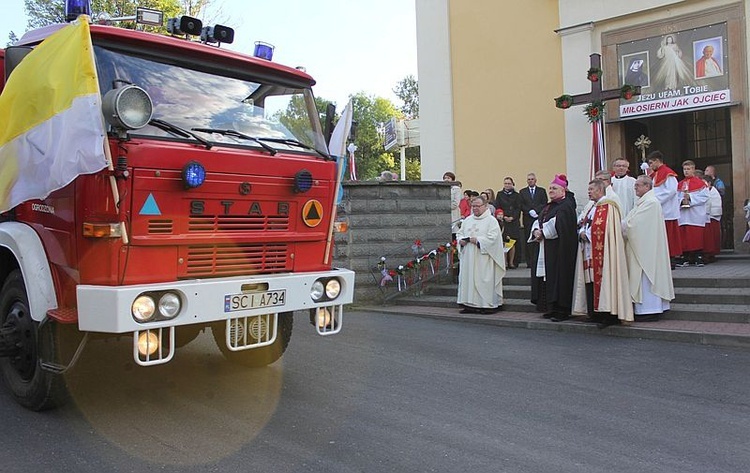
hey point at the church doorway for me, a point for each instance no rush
(703, 136)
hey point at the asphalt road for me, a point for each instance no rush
(399, 394)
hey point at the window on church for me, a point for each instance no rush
(708, 136)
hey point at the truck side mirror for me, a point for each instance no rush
(13, 57)
(330, 115)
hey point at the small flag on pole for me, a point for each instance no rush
(52, 128)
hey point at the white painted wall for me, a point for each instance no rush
(435, 95)
(576, 12)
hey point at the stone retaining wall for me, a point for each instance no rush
(385, 219)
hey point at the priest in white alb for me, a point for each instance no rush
(623, 185)
(482, 261)
(647, 253)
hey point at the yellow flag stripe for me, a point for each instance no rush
(35, 97)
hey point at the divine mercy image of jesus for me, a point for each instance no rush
(673, 71)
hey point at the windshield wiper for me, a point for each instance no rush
(176, 130)
(292, 142)
(237, 134)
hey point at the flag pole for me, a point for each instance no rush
(108, 151)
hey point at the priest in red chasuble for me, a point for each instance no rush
(602, 287)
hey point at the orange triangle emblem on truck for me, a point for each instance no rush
(312, 213)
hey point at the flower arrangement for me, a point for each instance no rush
(594, 74)
(627, 92)
(564, 101)
(416, 269)
(594, 111)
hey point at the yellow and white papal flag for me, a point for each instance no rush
(51, 127)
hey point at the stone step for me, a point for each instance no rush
(729, 313)
(683, 295)
(681, 277)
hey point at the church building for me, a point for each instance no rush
(489, 73)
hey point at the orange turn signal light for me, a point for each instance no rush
(340, 227)
(102, 230)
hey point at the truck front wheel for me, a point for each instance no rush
(31, 386)
(257, 357)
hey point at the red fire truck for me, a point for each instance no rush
(216, 213)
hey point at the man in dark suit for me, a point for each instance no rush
(533, 199)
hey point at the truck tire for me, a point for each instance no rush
(257, 357)
(31, 386)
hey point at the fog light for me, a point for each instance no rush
(169, 305)
(148, 343)
(143, 308)
(317, 290)
(323, 318)
(333, 288)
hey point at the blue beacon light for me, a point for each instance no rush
(193, 174)
(73, 8)
(303, 181)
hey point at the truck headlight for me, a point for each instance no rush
(169, 305)
(317, 290)
(128, 107)
(143, 308)
(333, 288)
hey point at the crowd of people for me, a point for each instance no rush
(611, 263)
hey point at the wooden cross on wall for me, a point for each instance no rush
(597, 94)
(595, 108)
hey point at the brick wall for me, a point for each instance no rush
(385, 219)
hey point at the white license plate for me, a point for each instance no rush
(245, 301)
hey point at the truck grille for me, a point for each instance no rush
(238, 223)
(235, 260)
(159, 226)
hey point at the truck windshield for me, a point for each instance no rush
(191, 98)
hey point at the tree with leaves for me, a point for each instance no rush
(407, 90)
(45, 12)
(295, 114)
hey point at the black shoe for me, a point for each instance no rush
(549, 315)
(608, 322)
(467, 310)
(560, 317)
(647, 318)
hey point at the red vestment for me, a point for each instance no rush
(673, 228)
(691, 236)
(661, 175)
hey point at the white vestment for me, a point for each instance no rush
(613, 293)
(695, 214)
(647, 252)
(480, 279)
(669, 198)
(625, 188)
